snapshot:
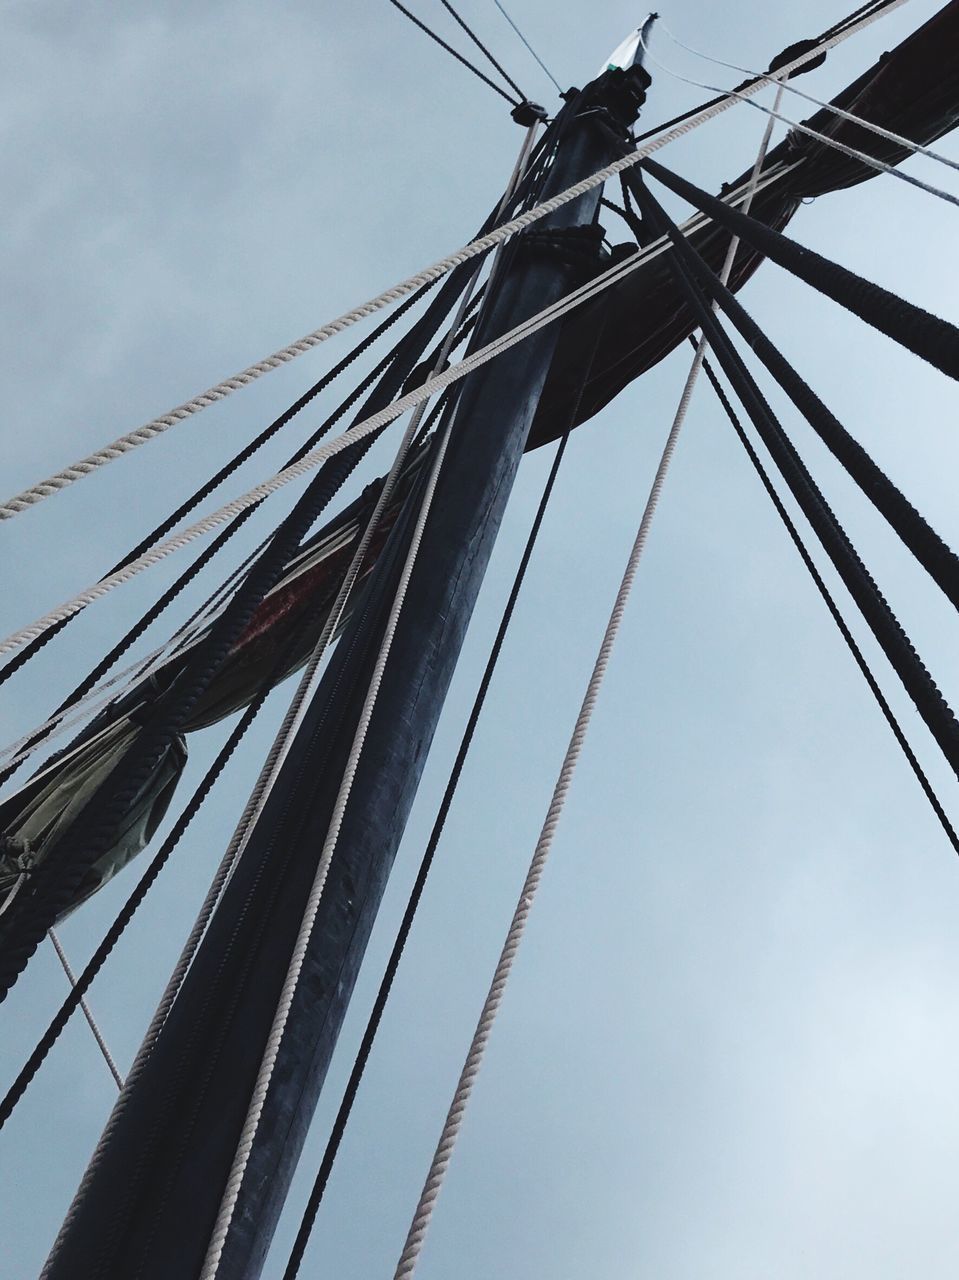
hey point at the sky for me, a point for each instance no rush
(727, 1048)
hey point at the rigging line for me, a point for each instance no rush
(470, 1071)
(454, 1119)
(906, 143)
(833, 608)
(879, 165)
(458, 56)
(886, 627)
(663, 136)
(291, 981)
(285, 1001)
(821, 44)
(483, 49)
(926, 335)
(529, 46)
(85, 1008)
(932, 553)
(358, 431)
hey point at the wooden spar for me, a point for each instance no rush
(149, 1207)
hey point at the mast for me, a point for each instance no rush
(150, 1203)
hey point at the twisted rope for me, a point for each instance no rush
(133, 439)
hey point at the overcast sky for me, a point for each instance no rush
(729, 1047)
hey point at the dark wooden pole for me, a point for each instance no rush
(149, 1207)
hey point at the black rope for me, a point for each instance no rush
(924, 334)
(753, 80)
(458, 56)
(887, 629)
(483, 49)
(935, 556)
(832, 607)
(382, 995)
(162, 529)
(191, 572)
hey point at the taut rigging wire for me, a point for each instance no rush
(886, 627)
(842, 114)
(458, 56)
(556, 83)
(935, 556)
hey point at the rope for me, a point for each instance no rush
(935, 556)
(924, 334)
(906, 143)
(879, 165)
(133, 439)
(87, 1013)
(444, 1149)
(884, 624)
(458, 56)
(471, 1067)
(357, 432)
(483, 49)
(285, 1001)
(529, 46)
(833, 608)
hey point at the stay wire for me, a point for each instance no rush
(801, 127)
(458, 56)
(867, 13)
(536, 56)
(483, 49)
(922, 333)
(899, 139)
(831, 605)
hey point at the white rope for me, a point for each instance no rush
(897, 138)
(357, 432)
(879, 165)
(474, 1058)
(133, 439)
(245, 1146)
(97, 1033)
